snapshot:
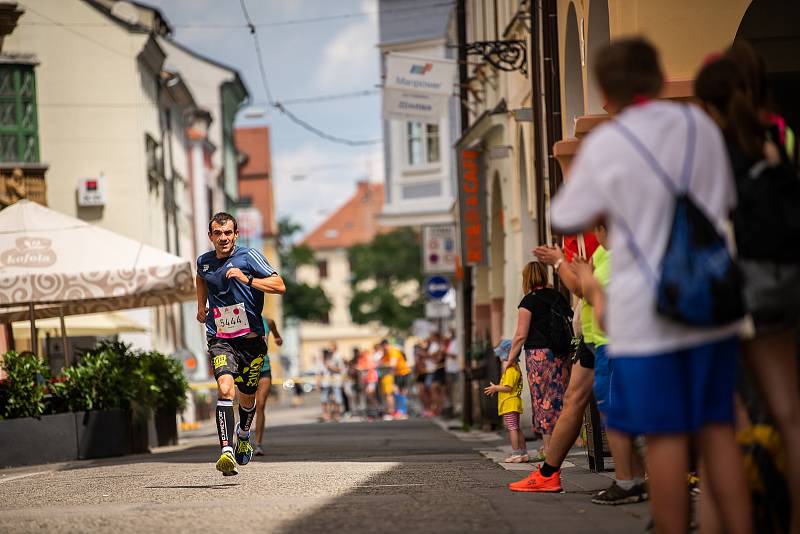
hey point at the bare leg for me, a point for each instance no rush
(722, 463)
(709, 509)
(568, 425)
(262, 393)
(668, 463)
(773, 362)
(622, 451)
(517, 439)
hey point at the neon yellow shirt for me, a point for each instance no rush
(511, 401)
(602, 271)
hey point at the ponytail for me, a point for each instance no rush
(743, 127)
(720, 84)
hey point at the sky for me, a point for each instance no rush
(312, 176)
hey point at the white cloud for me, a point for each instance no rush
(350, 60)
(327, 178)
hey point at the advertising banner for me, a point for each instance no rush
(472, 204)
(425, 75)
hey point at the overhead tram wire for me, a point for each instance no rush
(280, 107)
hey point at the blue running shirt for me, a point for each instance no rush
(223, 291)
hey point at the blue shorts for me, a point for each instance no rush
(602, 377)
(674, 392)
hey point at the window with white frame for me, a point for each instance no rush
(422, 143)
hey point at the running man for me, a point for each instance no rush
(264, 383)
(231, 282)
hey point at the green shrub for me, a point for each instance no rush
(166, 382)
(114, 376)
(23, 390)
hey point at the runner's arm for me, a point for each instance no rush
(274, 329)
(202, 299)
(272, 284)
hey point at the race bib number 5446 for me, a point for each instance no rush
(231, 321)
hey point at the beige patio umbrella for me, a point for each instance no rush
(52, 265)
(92, 324)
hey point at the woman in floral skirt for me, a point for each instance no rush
(548, 373)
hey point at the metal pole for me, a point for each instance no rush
(34, 340)
(64, 340)
(461, 16)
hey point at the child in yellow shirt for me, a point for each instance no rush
(509, 403)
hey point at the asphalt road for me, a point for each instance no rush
(399, 476)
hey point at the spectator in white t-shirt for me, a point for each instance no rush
(669, 381)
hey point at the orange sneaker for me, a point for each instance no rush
(538, 483)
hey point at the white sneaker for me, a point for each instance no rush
(259, 450)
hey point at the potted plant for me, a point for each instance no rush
(167, 394)
(38, 438)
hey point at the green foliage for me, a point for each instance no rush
(302, 301)
(113, 376)
(305, 302)
(22, 392)
(380, 304)
(166, 382)
(390, 258)
(389, 261)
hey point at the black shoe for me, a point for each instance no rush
(615, 495)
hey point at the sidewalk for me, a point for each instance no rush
(397, 476)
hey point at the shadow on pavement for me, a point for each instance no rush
(331, 442)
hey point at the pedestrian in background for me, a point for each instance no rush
(766, 245)
(452, 368)
(509, 403)
(548, 373)
(264, 385)
(671, 380)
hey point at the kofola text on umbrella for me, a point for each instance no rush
(30, 252)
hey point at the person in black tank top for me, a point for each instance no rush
(548, 374)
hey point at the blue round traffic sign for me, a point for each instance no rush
(437, 287)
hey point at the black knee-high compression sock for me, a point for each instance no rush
(246, 417)
(225, 422)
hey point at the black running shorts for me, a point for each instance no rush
(241, 357)
(584, 356)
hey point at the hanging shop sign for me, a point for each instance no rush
(434, 76)
(399, 104)
(417, 88)
(472, 204)
(438, 248)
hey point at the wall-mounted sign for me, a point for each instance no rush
(472, 204)
(421, 74)
(417, 88)
(438, 248)
(92, 192)
(436, 287)
(403, 105)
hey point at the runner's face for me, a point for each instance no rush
(223, 237)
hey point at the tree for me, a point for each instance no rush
(386, 276)
(303, 302)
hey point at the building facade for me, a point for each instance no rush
(119, 105)
(355, 222)
(419, 173)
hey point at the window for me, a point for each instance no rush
(423, 143)
(19, 137)
(322, 265)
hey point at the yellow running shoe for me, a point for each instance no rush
(226, 464)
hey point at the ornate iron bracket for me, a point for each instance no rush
(504, 55)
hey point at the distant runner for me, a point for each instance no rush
(231, 282)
